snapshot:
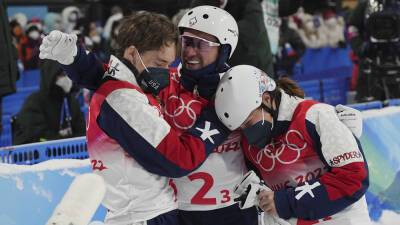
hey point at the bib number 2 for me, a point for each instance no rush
(208, 181)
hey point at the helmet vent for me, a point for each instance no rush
(190, 13)
(205, 16)
(226, 115)
(229, 78)
(222, 89)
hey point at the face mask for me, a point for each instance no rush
(34, 35)
(153, 79)
(259, 134)
(65, 83)
(96, 39)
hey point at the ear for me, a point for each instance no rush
(130, 54)
(266, 99)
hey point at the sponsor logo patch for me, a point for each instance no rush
(345, 157)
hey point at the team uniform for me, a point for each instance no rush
(210, 187)
(206, 195)
(122, 119)
(314, 164)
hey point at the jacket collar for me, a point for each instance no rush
(287, 106)
(121, 70)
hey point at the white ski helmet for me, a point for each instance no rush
(239, 93)
(212, 20)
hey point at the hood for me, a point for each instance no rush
(49, 69)
(108, 28)
(68, 21)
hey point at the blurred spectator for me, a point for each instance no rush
(69, 18)
(50, 113)
(290, 49)
(18, 36)
(21, 19)
(374, 33)
(52, 21)
(30, 47)
(110, 33)
(94, 40)
(8, 60)
(321, 30)
(116, 15)
(311, 30)
(253, 47)
(334, 27)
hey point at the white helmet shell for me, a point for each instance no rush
(212, 20)
(239, 93)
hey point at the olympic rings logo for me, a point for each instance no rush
(284, 146)
(182, 108)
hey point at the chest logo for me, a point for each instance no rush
(183, 115)
(285, 150)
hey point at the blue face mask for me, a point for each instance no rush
(153, 79)
(259, 134)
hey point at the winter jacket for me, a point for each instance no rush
(39, 118)
(314, 164)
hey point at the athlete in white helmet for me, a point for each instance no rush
(311, 161)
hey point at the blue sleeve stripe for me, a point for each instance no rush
(115, 127)
(86, 70)
(312, 132)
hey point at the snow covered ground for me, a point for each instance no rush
(37, 189)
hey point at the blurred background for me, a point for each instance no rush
(340, 52)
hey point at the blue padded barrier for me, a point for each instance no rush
(312, 89)
(393, 102)
(71, 148)
(367, 105)
(335, 90)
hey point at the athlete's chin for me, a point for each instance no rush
(192, 66)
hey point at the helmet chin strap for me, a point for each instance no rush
(274, 112)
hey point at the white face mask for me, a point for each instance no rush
(96, 39)
(34, 34)
(65, 83)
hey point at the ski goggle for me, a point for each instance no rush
(201, 44)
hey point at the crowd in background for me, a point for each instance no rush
(273, 37)
(321, 27)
